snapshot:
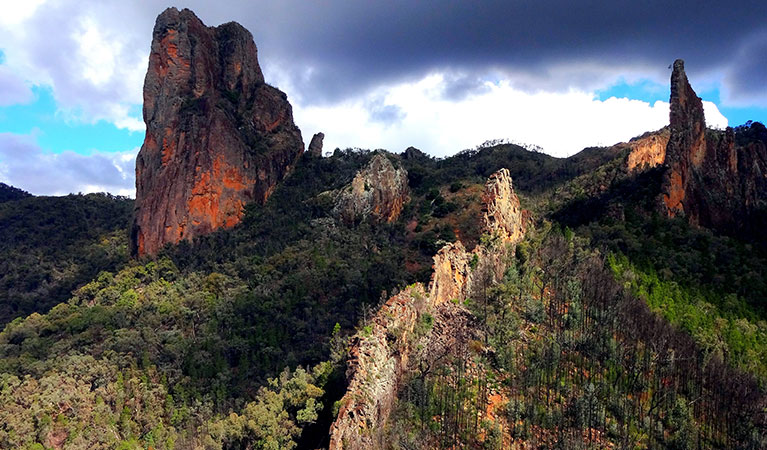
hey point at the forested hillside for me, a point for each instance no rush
(52, 245)
(612, 327)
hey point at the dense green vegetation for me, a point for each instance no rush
(52, 245)
(236, 340)
(8, 193)
(725, 328)
(569, 359)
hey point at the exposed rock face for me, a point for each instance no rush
(500, 207)
(315, 146)
(648, 151)
(456, 271)
(379, 360)
(217, 136)
(687, 143)
(414, 153)
(452, 270)
(376, 364)
(378, 192)
(709, 179)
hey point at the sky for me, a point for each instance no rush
(442, 76)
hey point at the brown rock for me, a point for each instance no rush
(315, 146)
(378, 192)
(709, 179)
(687, 142)
(379, 358)
(452, 271)
(217, 136)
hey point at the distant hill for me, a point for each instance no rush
(9, 193)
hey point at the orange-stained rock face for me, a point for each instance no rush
(675, 196)
(217, 136)
(648, 151)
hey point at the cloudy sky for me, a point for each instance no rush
(439, 75)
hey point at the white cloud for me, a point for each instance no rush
(25, 165)
(562, 123)
(93, 55)
(15, 12)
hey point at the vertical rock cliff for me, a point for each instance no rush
(708, 178)
(217, 136)
(315, 146)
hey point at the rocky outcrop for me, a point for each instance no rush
(709, 179)
(377, 360)
(217, 136)
(452, 270)
(458, 272)
(380, 353)
(647, 151)
(500, 208)
(377, 193)
(315, 146)
(412, 153)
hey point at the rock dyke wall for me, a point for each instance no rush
(380, 355)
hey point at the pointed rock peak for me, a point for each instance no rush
(686, 147)
(502, 214)
(686, 107)
(315, 146)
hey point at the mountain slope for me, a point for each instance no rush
(52, 245)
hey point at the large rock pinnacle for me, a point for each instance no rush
(709, 179)
(217, 136)
(687, 143)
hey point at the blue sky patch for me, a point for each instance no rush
(56, 134)
(651, 92)
(644, 90)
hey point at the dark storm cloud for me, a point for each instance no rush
(381, 112)
(459, 87)
(752, 71)
(354, 45)
(24, 165)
